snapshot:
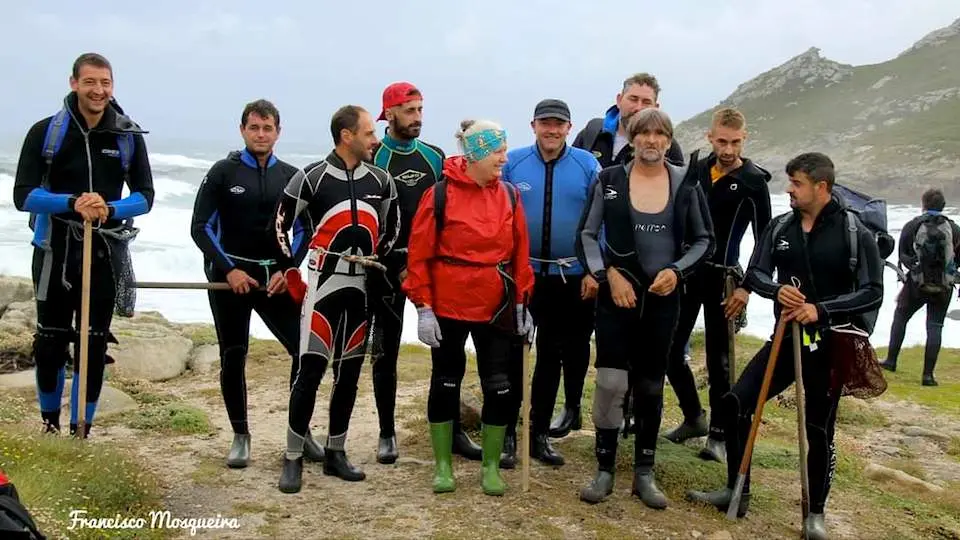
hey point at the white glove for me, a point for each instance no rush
(525, 323)
(428, 329)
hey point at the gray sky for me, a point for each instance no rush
(184, 68)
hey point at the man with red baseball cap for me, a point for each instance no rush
(415, 166)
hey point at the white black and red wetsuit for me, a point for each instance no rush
(352, 212)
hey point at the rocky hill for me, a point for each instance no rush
(892, 128)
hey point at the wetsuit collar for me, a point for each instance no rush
(563, 153)
(933, 212)
(611, 120)
(250, 160)
(398, 145)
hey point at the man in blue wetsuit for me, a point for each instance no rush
(554, 181)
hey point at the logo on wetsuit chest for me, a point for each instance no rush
(238, 190)
(609, 193)
(410, 177)
(110, 152)
(372, 197)
(523, 186)
(650, 227)
(783, 244)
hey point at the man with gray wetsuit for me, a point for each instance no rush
(657, 230)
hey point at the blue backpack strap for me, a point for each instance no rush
(125, 143)
(56, 130)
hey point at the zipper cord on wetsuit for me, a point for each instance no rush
(263, 263)
(562, 263)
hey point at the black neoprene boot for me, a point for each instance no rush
(291, 475)
(337, 464)
(568, 420)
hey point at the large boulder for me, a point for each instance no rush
(17, 325)
(112, 401)
(14, 289)
(150, 348)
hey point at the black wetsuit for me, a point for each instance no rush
(233, 227)
(353, 212)
(415, 166)
(633, 344)
(738, 200)
(86, 160)
(819, 262)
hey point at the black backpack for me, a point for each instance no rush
(440, 202)
(933, 244)
(15, 520)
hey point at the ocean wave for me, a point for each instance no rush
(178, 161)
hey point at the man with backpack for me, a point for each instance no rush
(73, 167)
(930, 252)
(803, 262)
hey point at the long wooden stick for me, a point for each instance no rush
(801, 421)
(84, 328)
(758, 413)
(222, 285)
(525, 446)
(731, 336)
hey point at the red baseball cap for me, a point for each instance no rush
(397, 94)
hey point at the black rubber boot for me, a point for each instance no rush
(542, 451)
(463, 446)
(714, 450)
(888, 365)
(720, 499)
(645, 487)
(337, 464)
(606, 451)
(239, 456)
(568, 420)
(928, 380)
(508, 458)
(689, 430)
(86, 430)
(387, 452)
(312, 451)
(291, 475)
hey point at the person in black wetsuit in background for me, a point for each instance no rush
(415, 166)
(232, 225)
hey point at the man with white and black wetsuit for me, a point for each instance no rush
(809, 250)
(415, 166)
(73, 168)
(738, 198)
(353, 206)
(554, 181)
(233, 227)
(657, 231)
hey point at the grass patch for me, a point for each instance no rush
(201, 334)
(857, 413)
(170, 419)
(905, 383)
(55, 475)
(953, 448)
(14, 407)
(209, 472)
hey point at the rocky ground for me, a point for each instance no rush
(163, 418)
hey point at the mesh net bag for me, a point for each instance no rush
(855, 371)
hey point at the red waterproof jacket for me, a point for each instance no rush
(457, 276)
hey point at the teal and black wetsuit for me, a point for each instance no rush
(415, 166)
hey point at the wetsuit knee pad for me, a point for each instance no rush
(50, 352)
(445, 386)
(608, 397)
(496, 384)
(233, 355)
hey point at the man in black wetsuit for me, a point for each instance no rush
(415, 166)
(809, 250)
(73, 167)
(354, 206)
(657, 231)
(738, 197)
(232, 225)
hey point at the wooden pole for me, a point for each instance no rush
(525, 446)
(801, 421)
(84, 329)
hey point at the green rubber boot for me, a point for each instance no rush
(442, 437)
(492, 445)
